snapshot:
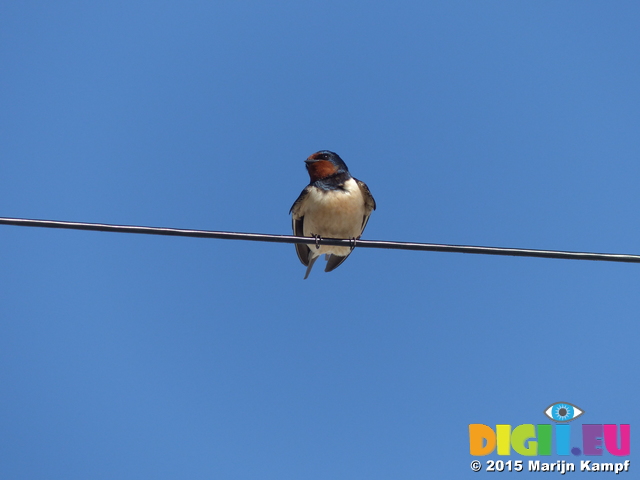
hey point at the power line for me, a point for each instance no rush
(261, 237)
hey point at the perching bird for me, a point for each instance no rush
(334, 205)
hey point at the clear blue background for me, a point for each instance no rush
(489, 123)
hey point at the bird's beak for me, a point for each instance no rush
(310, 160)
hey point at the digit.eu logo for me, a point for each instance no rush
(530, 440)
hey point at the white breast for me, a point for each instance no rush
(334, 214)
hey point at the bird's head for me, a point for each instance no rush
(323, 164)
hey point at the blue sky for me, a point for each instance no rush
(489, 123)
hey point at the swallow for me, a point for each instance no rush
(333, 205)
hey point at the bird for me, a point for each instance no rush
(333, 205)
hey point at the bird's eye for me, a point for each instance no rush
(563, 412)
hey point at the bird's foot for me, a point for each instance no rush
(352, 243)
(318, 238)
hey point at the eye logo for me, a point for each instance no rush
(563, 412)
(530, 440)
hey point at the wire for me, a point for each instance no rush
(261, 237)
